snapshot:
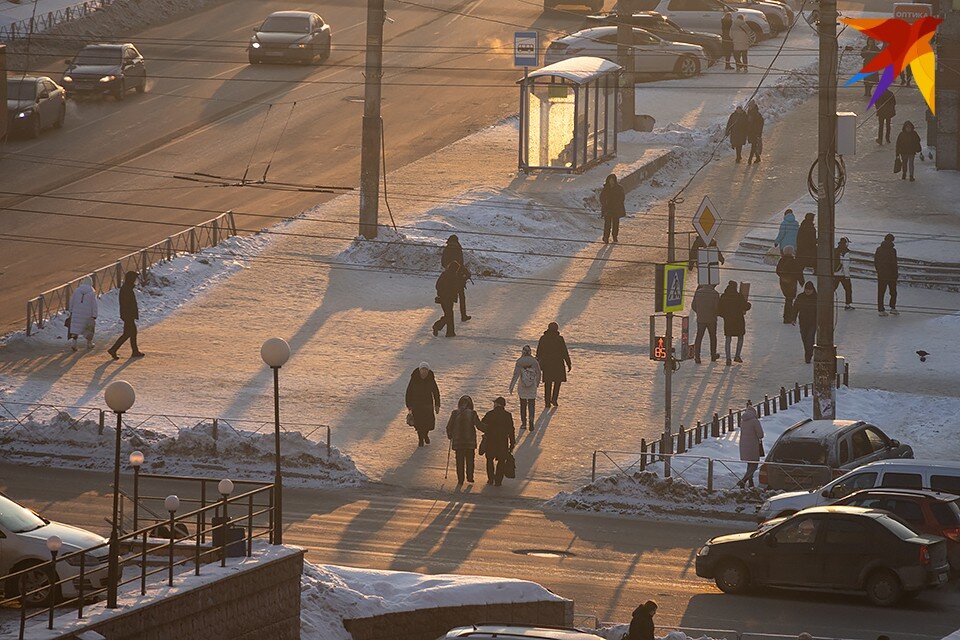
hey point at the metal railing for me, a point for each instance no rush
(46, 21)
(258, 504)
(206, 234)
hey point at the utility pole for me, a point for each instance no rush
(372, 123)
(627, 59)
(948, 91)
(668, 363)
(825, 352)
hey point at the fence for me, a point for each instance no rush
(206, 234)
(46, 21)
(719, 425)
(88, 582)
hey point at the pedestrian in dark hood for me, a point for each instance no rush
(448, 288)
(641, 626)
(908, 146)
(612, 207)
(462, 432)
(888, 272)
(423, 401)
(553, 355)
(706, 302)
(737, 130)
(790, 273)
(841, 271)
(129, 314)
(453, 253)
(806, 309)
(499, 438)
(807, 242)
(754, 131)
(886, 107)
(733, 309)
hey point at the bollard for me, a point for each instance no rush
(643, 454)
(846, 374)
(796, 392)
(806, 391)
(100, 426)
(739, 417)
(593, 470)
(699, 431)
(715, 426)
(215, 433)
(328, 441)
(709, 475)
(730, 420)
(689, 439)
(681, 441)
(783, 398)
(766, 405)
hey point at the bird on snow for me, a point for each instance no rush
(923, 355)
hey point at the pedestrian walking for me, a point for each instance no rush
(553, 356)
(726, 43)
(737, 130)
(611, 207)
(423, 402)
(807, 243)
(499, 439)
(888, 272)
(448, 288)
(906, 77)
(754, 131)
(453, 252)
(641, 625)
(740, 33)
(790, 272)
(462, 433)
(787, 234)
(870, 49)
(751, 444)
(908, 146)
(83, 314)
(706, 302)
(806, 310)
(129, 314)
(841, 271)
(886, 107)
(527, 373)
(694, 258)
(733, 309)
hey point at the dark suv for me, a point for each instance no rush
(926, 511)
(106, 69)
(830, 549)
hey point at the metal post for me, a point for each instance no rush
(643, 454)
(729, 419)
(668, 361)
(709, 474)
(277, 476)
(250, 525)
(328, 441)
(372, 122)
(196, 545)
(83, 575)
(170, 559)
(627, 60)
(53, 588)
(593, 469)
(825, 352)
(136, 497)
(143, 566)
(113, 568)
(203, 509)
(224, 528)
(100, 426)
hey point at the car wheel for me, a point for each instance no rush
(687, 67)
(33, 129)
(756, 34)
(142, 86)
(121, 91)
(58, 123)
(38, 580)
(327, 50)
(883, 588)
(732, 577)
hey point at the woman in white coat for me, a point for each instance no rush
(527, 372)
(740, 33)
(83, 314)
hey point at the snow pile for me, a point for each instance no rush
(646, 493)
(503, 234)
(65, 441)
(331, 594)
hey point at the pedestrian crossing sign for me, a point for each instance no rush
(670, 280)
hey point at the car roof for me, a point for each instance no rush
(26, 78)
(103, 45)
(913, 464)
(291, 14)
(519, 630)
(818, 429)
(939, 496)
(596, 32)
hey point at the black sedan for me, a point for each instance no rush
(848, 549)
(111, 69)
(659, 25)
(34, 104)
(290, 36)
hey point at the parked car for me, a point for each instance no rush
(825, 449)
(106, 69)
(897, 474)
(652, 54)
(778, 14)
(924, 510)
(518, 631)
(848, 549)
(34, 104)
(704, 15)
(24, 536)
(593, 5)
(663, 27)
(294, 36)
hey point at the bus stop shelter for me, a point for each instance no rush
(568, 115)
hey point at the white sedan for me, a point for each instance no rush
(705, 15)
(23, 545)
(652, 54)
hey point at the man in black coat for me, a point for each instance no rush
(448, 288)
(886, 107)
(806, 309)
(726, 42)
(129, 313)
(807, 243)
(552, 354)
(423, 401)
(754, 131)
(499, 438)
(790, 272)
(641, 626)
(888, 271)
(453, 252)
(737, 130)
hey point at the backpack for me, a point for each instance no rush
(529, 377)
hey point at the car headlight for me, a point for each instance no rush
(299, 45)
(255, 45)
(67, 79)
(26, 113)
(89, 560)
(704, 550)
(108, 78)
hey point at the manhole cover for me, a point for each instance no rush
(543, 553)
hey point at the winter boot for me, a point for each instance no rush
(884, 314)
(697, 359)
(729, 362)
(894, 312)
(738, 359)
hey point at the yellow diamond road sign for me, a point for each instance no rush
(707, 221)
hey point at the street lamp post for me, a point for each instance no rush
(275, 353)
(136, 459)
(171, 503)
(119, 396)
(53, 545)
(225, 487)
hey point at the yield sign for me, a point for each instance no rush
(707, 221)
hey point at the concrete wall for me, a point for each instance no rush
(430, 624)
(258, 603)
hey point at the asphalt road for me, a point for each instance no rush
(207, 110)
(613, 562)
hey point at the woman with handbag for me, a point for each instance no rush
(751, 444)
(423, 402)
